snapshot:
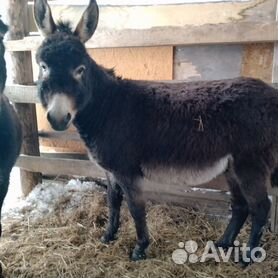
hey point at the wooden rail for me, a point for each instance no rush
(59, 166)
(28, 94)
(228, 33)
(214, 202)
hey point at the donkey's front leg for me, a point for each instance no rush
(136, 205)
(114, 199)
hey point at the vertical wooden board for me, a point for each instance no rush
(274, 210)
(22, 73)
(210, 62)
(257, 61)
(148, 63)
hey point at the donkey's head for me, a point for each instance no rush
(64, 63)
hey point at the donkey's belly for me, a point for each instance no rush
(188, 176)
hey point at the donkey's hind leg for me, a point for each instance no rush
(254, 175)
(239, 210)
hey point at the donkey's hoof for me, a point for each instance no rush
(244, 264)
(223, 244)
(106, 238)
(138, 255)
(246, 260)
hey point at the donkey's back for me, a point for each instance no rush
(194, 123)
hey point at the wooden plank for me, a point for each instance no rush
(76, 167)
(150, 16)
(207, 62)
(79, 156)
(243, 32)
(182, 190)
(208, 206)
(257, 61)
(22, 93)
(22, 74)
(61, 135)
(28, 94)
(274, 209)
(143, 63)
(204, 200)
(59, 166)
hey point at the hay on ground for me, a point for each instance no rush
(67, 245)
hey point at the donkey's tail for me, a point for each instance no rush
(274, 178)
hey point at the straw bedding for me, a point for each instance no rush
(64, 244)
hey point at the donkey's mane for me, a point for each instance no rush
(64, 27)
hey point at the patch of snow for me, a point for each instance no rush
(45, 198)
(14, 194)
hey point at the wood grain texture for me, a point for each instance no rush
(230, 33)
(22, 74)
(147, 63)
(182, 15)
(257, 61)
(22, 93)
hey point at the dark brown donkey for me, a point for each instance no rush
(138, 129)
(10, 128)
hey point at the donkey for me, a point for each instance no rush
(140, 129)
(10, 128)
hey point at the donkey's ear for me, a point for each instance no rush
(3, 28)
(43, 17)
(88, 23)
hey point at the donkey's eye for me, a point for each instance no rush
(78, 72)
(43, 66)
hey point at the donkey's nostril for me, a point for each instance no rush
(68, 117)
(59, 122)
(48, 117)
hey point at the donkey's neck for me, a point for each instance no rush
(103, 87)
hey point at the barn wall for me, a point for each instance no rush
(193, 62)
(190, 15)
(223, 61)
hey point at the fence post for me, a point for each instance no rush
(23, 75)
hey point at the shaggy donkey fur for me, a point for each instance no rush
(137, 129)
(10, 128)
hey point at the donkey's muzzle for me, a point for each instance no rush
(59, 123)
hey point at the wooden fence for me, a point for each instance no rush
(25, 96)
